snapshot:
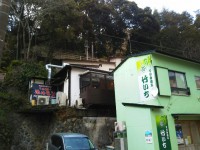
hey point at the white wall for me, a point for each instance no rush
(75, 85)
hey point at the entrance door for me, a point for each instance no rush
(188, 134)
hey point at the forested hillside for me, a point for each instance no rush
(112, 26)
(39, 28)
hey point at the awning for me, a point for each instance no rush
(143, 105)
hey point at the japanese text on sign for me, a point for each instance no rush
(145, 77)
(163, 132)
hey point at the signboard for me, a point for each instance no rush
(148, 136)
(146, 78)
(40, 89)
(163, 132)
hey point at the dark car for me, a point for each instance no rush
(70, 141)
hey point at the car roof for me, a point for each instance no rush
(70, 135)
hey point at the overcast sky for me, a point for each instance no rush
(176, 5)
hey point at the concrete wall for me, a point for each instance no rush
(33, 130)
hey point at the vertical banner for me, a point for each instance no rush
(163, 132)
(146, 78)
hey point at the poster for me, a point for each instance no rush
(163, 132)
(179, 134)
(146, 78)
(148, 136)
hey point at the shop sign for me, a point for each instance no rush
(146, 78)
(45, 90)
(163, 132)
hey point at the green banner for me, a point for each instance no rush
(163, 132)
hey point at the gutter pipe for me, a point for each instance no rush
(49, 66)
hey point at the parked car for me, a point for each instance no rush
(70, 141)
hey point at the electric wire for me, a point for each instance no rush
(112, 36)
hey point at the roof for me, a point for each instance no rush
(61, 75)
(63, 71)
(151, 52)
(70, 134)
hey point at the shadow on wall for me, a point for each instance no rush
(33, 131)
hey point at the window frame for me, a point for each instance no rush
(197, 76)
(177, 90)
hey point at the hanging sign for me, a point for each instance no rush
(163, 132)
(146, 78)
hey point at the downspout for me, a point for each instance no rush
(48, 67)
(69, 86)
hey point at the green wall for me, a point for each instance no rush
(139, 119)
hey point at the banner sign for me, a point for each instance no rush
(45, 90)
(146, 78)
(163, 132)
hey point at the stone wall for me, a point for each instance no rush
(33, 130)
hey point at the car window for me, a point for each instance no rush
(78, 143)
(57, 142)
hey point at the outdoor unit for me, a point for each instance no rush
(79, 103)
(42, 100)
(61, 98)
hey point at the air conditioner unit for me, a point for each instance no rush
(61, 98)
(79, 103)
(42, 100)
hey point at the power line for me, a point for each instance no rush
(112, 36)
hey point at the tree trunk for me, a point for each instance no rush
(4, 11)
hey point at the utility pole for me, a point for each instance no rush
(129, 39)
(86, 49)
(92, 51)
(4, 12)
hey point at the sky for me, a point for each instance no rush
(176, 5)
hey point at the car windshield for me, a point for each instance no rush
(78, 143)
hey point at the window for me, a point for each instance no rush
(76, 143)
(178, 83)
(85, 80)
(57, 142)
(98, 80)
(197, 79)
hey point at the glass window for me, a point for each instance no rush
(178, 83)
(98, 80)
(57, 141)
(77, 143)
(110, 82)
(85, 80)
(197, 79)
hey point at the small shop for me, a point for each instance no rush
(159, 101)
(188, 132)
